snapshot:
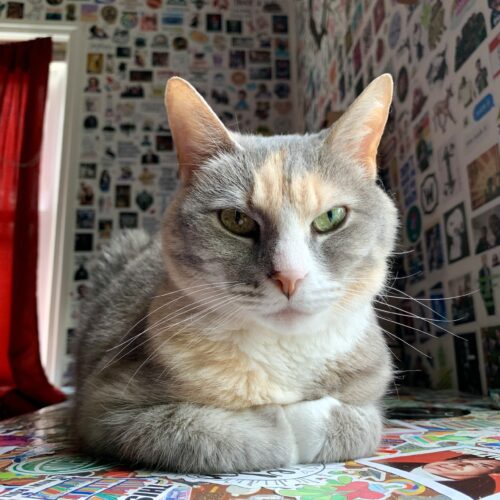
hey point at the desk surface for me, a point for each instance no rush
(38, 461)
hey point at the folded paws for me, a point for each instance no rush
(326, 430)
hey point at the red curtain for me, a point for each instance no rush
(23, 88)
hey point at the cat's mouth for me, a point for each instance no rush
(289, 314)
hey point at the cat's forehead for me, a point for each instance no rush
(288, 179)
(281, 182)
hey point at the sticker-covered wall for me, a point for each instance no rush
(236, 53)
(439, 157)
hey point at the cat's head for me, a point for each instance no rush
(279, 230)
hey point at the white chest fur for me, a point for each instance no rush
(252, 366)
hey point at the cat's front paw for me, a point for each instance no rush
(326, 430)
(353, 432)
(310, 422)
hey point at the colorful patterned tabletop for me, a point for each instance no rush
(455, 458)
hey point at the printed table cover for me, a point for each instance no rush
(456, 458)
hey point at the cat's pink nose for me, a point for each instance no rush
(288, 281)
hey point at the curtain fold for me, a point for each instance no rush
(24, 70)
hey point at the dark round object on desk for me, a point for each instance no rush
(419, 413)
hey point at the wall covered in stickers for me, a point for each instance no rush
(439, 157)
(237, 54)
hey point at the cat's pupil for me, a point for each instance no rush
(237, 218)
(330, 215)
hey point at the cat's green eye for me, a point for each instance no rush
(329, 220)
(238, 222)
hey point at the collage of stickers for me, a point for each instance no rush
(235, 52)
(439, 158)
(446, 458)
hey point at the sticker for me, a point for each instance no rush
(394, 29)
(483, 107)
(144, 200)
(472, 34)
(280, 24)
(484, 177)
(462, 302)
(84, 242)
(457, 241)
(129, 220)
(105, 228)
(378, 14)
(408, 182)
(87, 170)
(85, 194)
(129, 20)
(442, 470)
(213, 22)
(466, 357)
(429, 194)
(449, 170)
(234, 26)
(438, 305)
(415, 261)
(458, 10)
(433, 20)
(85, 218)
(110, 14)
(434, 248)
(491, 352)
(312, 474)
(95, 63)
(402, 85)
(88, 13)
(442, 111)
(438, 68)
(466, 92)
(486, 230)
(413, 224)
(419, 100)
(488, 283)
(172, 19)
(417, 41)
(282, 69)
(122, 196)
(495, 52)
(423, 144)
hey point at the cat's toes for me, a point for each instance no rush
(354, 432)
(309, 421)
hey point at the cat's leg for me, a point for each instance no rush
(327, 430)
(191, 438)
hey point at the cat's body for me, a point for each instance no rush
(212, 352)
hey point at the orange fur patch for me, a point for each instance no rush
(307, 194)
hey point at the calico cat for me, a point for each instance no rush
(243, 337)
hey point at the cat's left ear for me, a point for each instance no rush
(358, 131)
(197, 131)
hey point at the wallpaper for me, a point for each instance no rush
(439, 159)
(235, 52)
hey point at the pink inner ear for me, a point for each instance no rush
(368, 146)
(197, 131)
(367, 149)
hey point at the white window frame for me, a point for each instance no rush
(59, 287)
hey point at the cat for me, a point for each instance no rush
(243, 337)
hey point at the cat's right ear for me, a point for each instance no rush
(358, 132)
(197, 131)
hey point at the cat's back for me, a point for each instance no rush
(124, 279)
